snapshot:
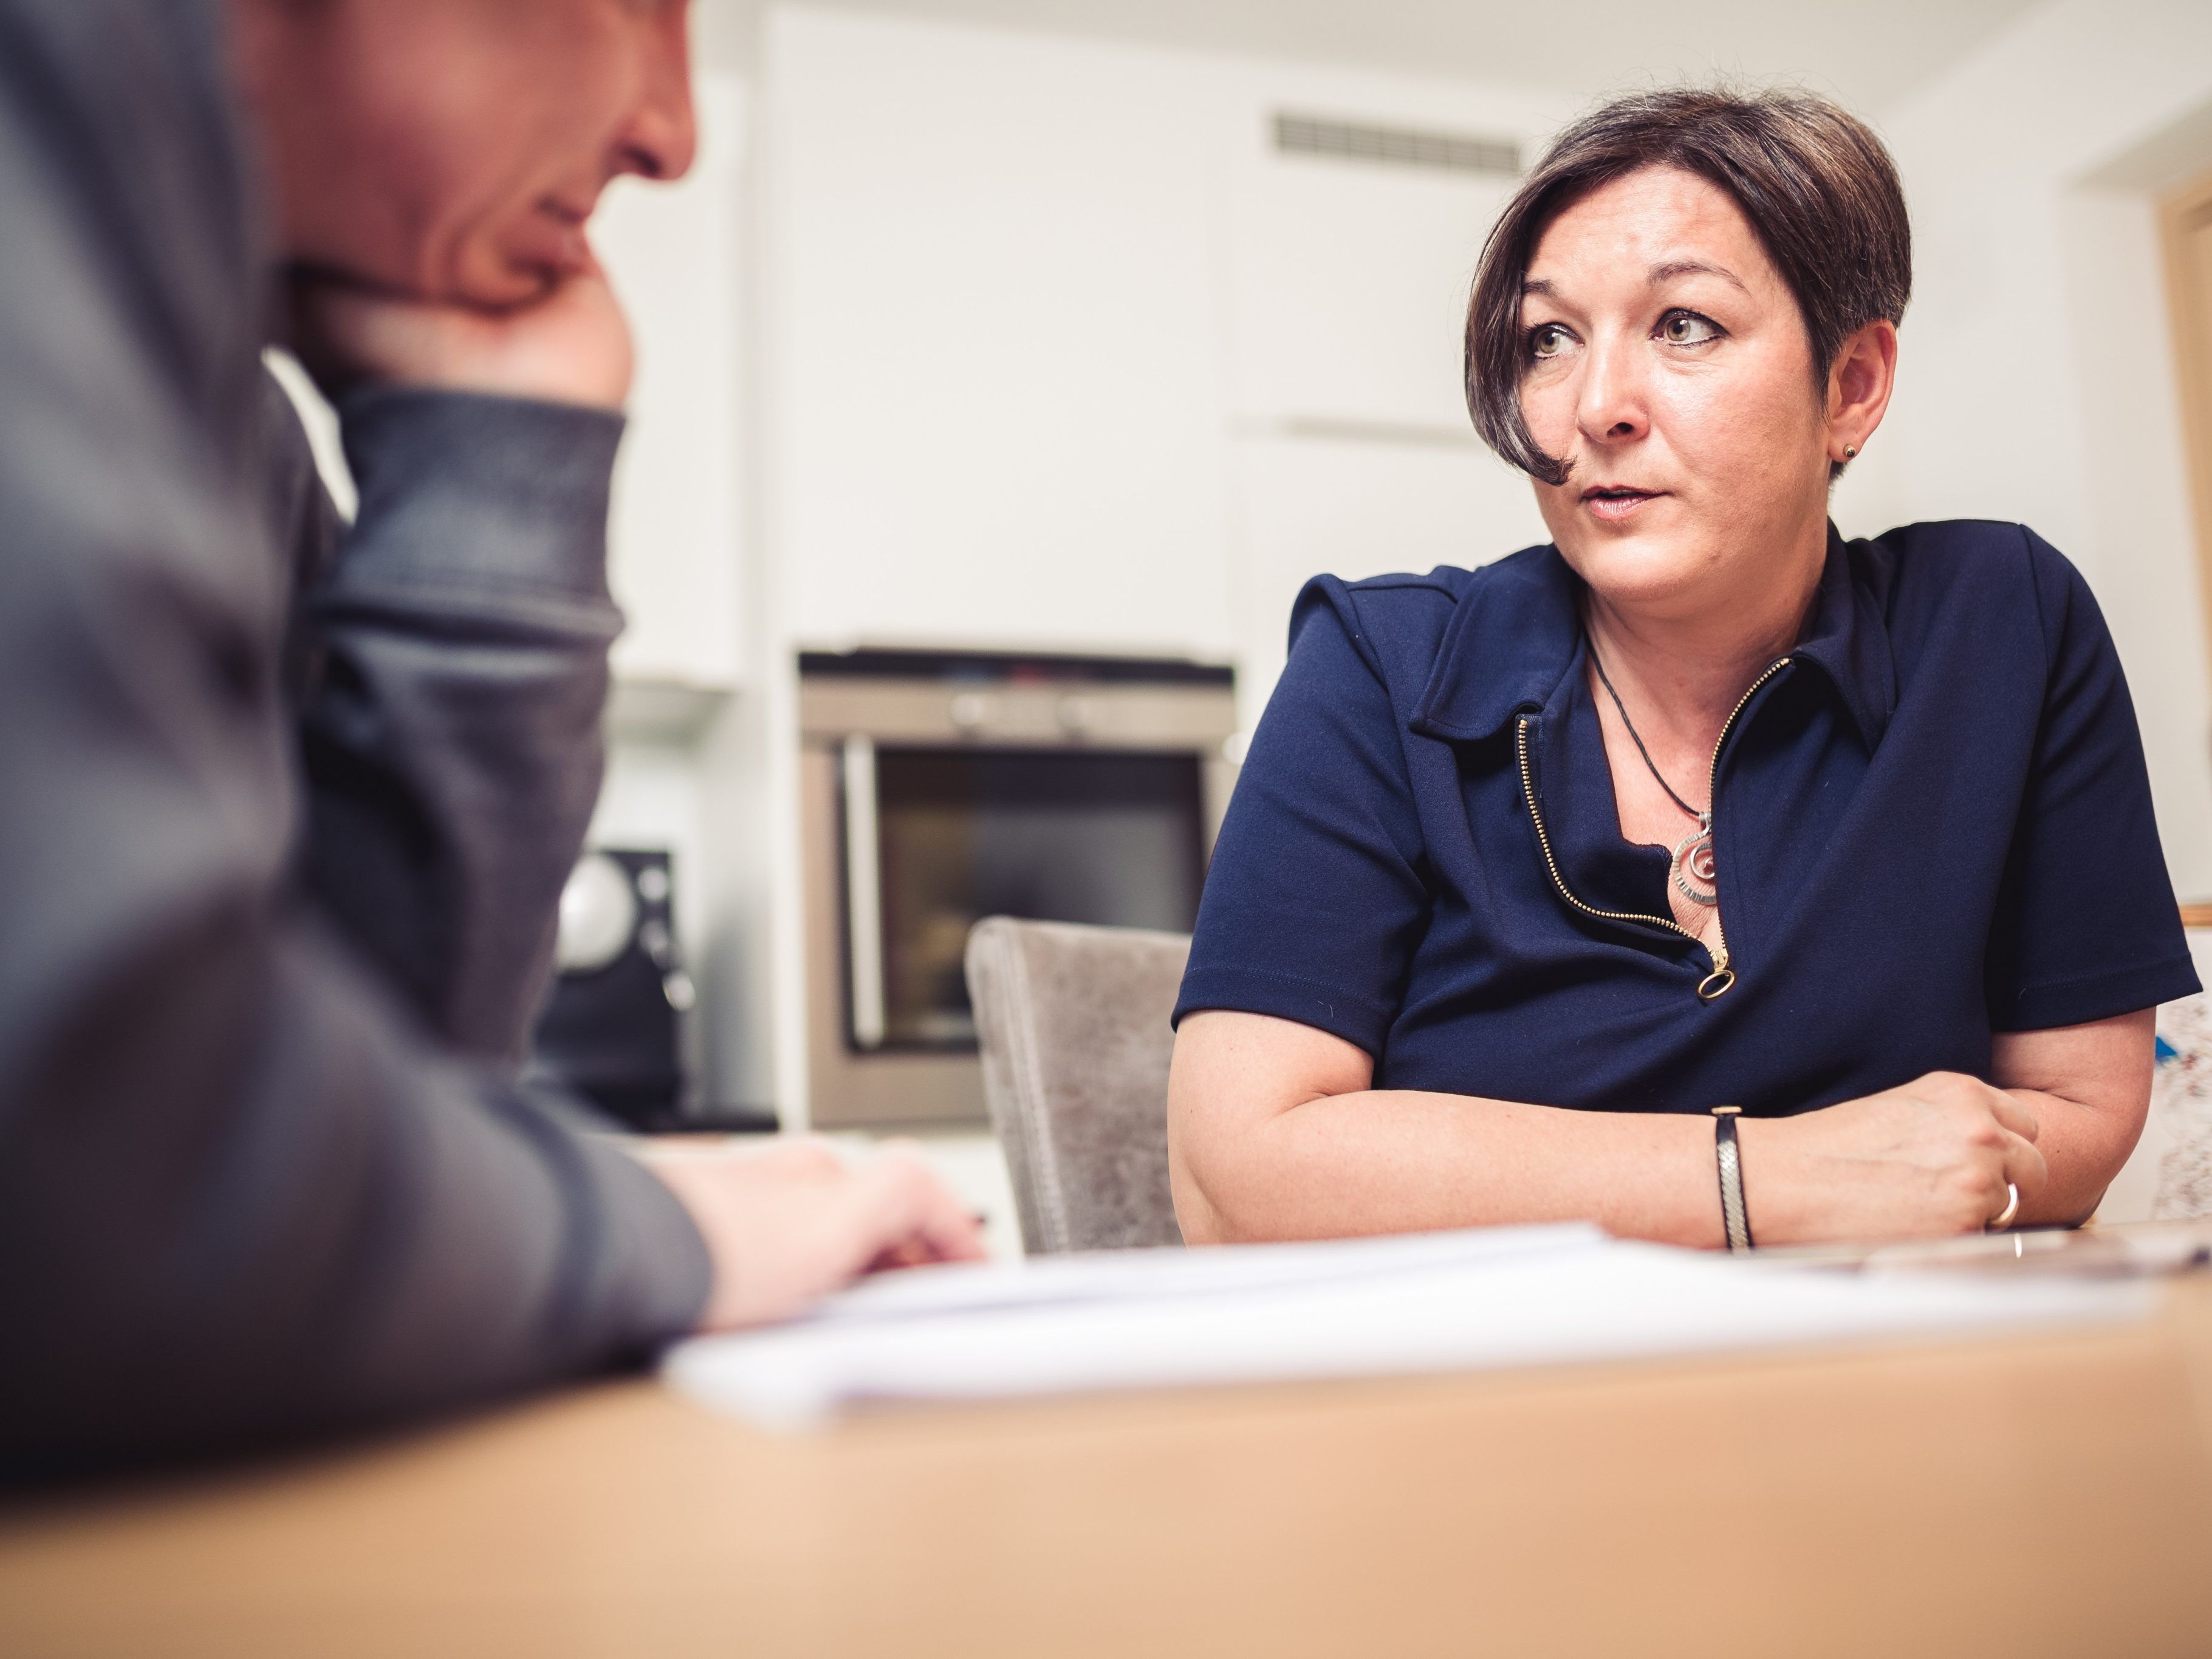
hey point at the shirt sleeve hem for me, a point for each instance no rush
(1324, 1007)
(2100, 996)
(479, 494)
(656, 1271)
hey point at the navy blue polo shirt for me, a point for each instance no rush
(1932, 822)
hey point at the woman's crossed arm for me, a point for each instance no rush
(1274, 1133)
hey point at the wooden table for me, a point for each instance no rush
(2046, 1495)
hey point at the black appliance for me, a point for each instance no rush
(609, 1028)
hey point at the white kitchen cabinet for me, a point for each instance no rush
(1354, 210)
(675, 533)
(994, 407)
(1349, 283)
(1356, 507)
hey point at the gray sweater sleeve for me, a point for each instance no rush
(456, 668)
(248, 1190)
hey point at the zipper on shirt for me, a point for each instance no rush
(1718, 982)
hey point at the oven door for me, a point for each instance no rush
(912, 843)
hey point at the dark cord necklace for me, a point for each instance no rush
(1695, 874)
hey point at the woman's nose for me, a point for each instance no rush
(662, 138)
(1612, 406)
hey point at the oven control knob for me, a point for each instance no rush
(1075, 715)
(970, 709)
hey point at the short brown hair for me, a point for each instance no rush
(1820, 189)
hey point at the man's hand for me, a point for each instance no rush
(572, 346)
(1926, 1159)
(790, 1223)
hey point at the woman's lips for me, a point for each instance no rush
(1612, 506)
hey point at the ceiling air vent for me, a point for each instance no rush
(1306, 134)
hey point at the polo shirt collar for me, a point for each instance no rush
(1518, 631)
(1848, 640)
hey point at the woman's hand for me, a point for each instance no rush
(1927, 1159)
(791, 1222)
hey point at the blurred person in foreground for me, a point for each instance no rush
(1699, 805)
(285, 808)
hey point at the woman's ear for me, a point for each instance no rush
(1859, 385)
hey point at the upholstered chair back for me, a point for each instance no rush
(1073, 1026)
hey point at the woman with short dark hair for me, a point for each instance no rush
(1700, 873)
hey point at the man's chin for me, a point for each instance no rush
(496, 283)
(491, 284)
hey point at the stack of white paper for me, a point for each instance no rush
(1257, 1312)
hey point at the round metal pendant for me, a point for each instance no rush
(1695, 874)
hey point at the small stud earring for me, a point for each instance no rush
(1851, 452)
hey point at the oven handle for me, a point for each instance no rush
(863, 901)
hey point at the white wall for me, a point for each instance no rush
(2037, 378)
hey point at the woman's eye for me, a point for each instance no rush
(1547, 340)
(1687, 328)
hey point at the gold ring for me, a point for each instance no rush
(2004, 1218)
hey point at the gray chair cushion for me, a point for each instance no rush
(1073, 1026)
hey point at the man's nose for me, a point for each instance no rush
(662, 138)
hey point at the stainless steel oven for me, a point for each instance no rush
(938, 789)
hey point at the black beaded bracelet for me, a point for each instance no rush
(1734, 1218)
